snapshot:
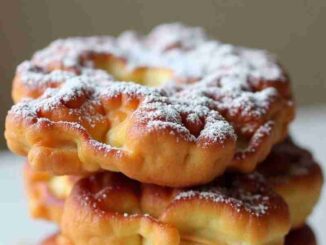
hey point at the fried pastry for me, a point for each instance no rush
(46, 194)
(108, 208)
(289, 169)
(301, 236)
(294, 174)
(111, 208)
(216, 107)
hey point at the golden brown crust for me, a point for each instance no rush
(232, 200)
(241, 207)
(301, 236)
(295, 175)
(46, 197)
(290, 170)
(105, 208)
(109, 207)
(226, 115)
(147, 151)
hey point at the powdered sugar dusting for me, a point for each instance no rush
(224, 73)
(242, 193)
(187, 51)
(255, 202)
(190, 120)
(216, 87)
(252, 203)
(35, 77)
(183, 118)
(216, 131)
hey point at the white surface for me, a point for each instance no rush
(17, 228)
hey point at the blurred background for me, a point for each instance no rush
(294, 30)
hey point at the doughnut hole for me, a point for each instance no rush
(118, 68)
(151, 77)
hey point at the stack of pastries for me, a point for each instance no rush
(164, 139)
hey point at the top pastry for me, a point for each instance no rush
(173, 108)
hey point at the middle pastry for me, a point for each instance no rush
(254, 199)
